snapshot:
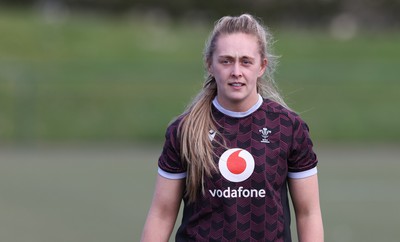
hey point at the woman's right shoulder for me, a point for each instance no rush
(176, 120)
(174, 124)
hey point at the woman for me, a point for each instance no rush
(234, 151)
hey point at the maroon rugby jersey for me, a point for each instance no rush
(247, 200)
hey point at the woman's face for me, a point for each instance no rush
(236, 65)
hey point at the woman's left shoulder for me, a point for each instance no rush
(275, 107)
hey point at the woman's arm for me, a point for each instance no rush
(305, 197)
(164, 210)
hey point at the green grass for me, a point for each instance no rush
(98, 78)
(103, 79)
(102, 193)
(346, 90)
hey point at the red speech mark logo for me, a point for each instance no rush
(236, 165)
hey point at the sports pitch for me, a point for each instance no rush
(88, 79)
(102, 192)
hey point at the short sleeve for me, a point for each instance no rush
(169, 163)
(302, 161)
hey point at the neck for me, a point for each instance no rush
(238, 106)
(238, 114)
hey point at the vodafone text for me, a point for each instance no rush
(240, 192)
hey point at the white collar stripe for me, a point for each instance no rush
(238, 114)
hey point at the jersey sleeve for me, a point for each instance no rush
(302, 161)
(169, 163)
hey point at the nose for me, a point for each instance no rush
(236, 70)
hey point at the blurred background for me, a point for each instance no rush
(87, 88)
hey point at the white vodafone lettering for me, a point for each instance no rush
(240, 192)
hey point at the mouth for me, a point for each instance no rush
(236, 84)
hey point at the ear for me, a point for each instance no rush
(263, 67)
(209, 68)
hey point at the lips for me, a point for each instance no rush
(236, 84)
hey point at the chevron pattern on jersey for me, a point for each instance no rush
(253, 209)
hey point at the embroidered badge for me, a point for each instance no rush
(264, 135)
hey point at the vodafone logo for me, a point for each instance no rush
(236, 165)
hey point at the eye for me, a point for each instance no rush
(246, 62)
(225, 61)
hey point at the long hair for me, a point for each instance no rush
(196, 146)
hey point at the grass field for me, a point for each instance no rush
(112, 81)
(102, 193)
(97, 78)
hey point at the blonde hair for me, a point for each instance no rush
(196, 148)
